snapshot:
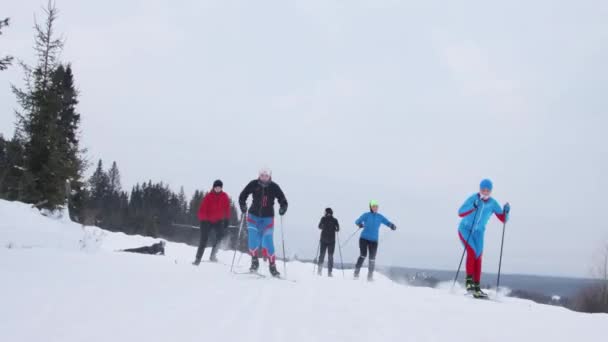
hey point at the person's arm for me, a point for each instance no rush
(468, 206)
(501, 213)
(337, 225)
(321, 224)
(360, 220)
(388, 223)
(282, 200)
(227, 213)
(202, 210)
(248, 190)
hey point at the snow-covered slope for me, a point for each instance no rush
(62, 282)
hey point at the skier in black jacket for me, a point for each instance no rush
(329, 226)
(260, 219)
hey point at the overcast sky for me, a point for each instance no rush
(411, 103)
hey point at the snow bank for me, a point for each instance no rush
(54, 289)
(25, 227)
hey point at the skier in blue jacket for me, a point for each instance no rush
(476, 212)
(370, 223)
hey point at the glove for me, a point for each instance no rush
(244, 208)
(282, 210)
(393, 227)
(476, 204)
(360, 225)
(507, 208)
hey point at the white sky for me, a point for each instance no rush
(406, 102)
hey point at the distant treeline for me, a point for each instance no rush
(150, 209)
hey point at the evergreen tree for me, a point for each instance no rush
(195, 203)
(5, 61)
(183, 206)
(99, 184)
(68, 121)
(48, 123)
(15, 180)
(4, 166)
(114, 179)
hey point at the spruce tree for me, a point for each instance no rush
(48, 123)
(99, 185)
(183, 206)
(4, 167)
(114, 179)
(17, 180)
(5, 61)
(68, 145)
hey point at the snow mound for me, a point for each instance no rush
(60, 281)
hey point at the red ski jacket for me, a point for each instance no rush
(214, 207)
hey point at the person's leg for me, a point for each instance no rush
(362, 255)
(477, 292)
(268, 244)
(470, 264)
(321, 260)
(373, 250)
(204, 230)
(254, 241)
(140, 250)
(477, 270)
(330, 257)
(219, 236)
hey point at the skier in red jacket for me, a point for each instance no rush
(214, 214)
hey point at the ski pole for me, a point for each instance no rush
(350, 237)
(465, 247)
(502, 242)
(238, 240)
(283, 243)
(316, 259)
(341, 260)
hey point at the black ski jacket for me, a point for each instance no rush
(263, 198)
(329, 226)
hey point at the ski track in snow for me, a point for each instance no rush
(55, 287)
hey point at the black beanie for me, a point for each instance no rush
(218, 183)
(328, 211)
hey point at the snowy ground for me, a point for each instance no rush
(60, 282)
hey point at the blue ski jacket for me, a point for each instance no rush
(473, 224)
(371, 225)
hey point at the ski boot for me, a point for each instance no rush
(273, 271)
(255, 264)
(196, 262)
(358, 266)
(478, 293)
(329, 274)
(469, 284)
(371, 268)
(213, 257)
